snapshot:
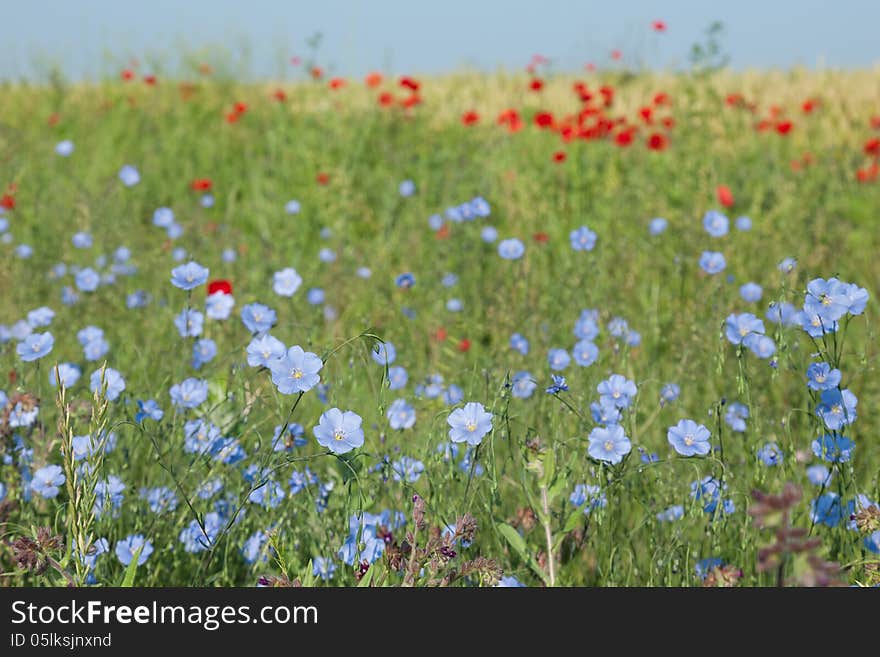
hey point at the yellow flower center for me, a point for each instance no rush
(688, 440)
(471, 426)
(296, 374)
(339, 434)
(609, 446)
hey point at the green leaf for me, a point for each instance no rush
(573, 520)
(131, 570)
(518, 543)
(549, 459)
(556, 490)
(216, 391)
(308, 578)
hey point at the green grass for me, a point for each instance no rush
(537, 452)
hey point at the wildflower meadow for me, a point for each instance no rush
(535, 328)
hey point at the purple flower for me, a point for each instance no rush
(339, 431)
(609, 444)
(689, 438)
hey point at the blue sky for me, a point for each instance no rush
(92, 37)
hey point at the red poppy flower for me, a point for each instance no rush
(440, 334)
(869, 174)
(219, 285)
(323, 178)
(658, 26)
(470, 118)
(616, 54)
(279, 95)
(536, 84)
(373, 80)
(443, 232)
(725, 196)
(544, 119)
(295, 60)
(624, 137)
(240, 108)
(607, 94)
(201, 184)
(317, 73)
(646, 113)
(464, 345)
(54, 118)
(337, 83)
(662, 98)
(590, 66)
(7, 201)
(231, 117)
(809, 105)
(511, 119)
(668, 122)
(875, 122)
(872, 147)
(763, 125)
(386, 99)
(541, 238)
(150, 80)
(568, 133)
(657, 142)
(411, 101)
(410, 83)
(559, 157)
(784, 127)
(127, 74)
